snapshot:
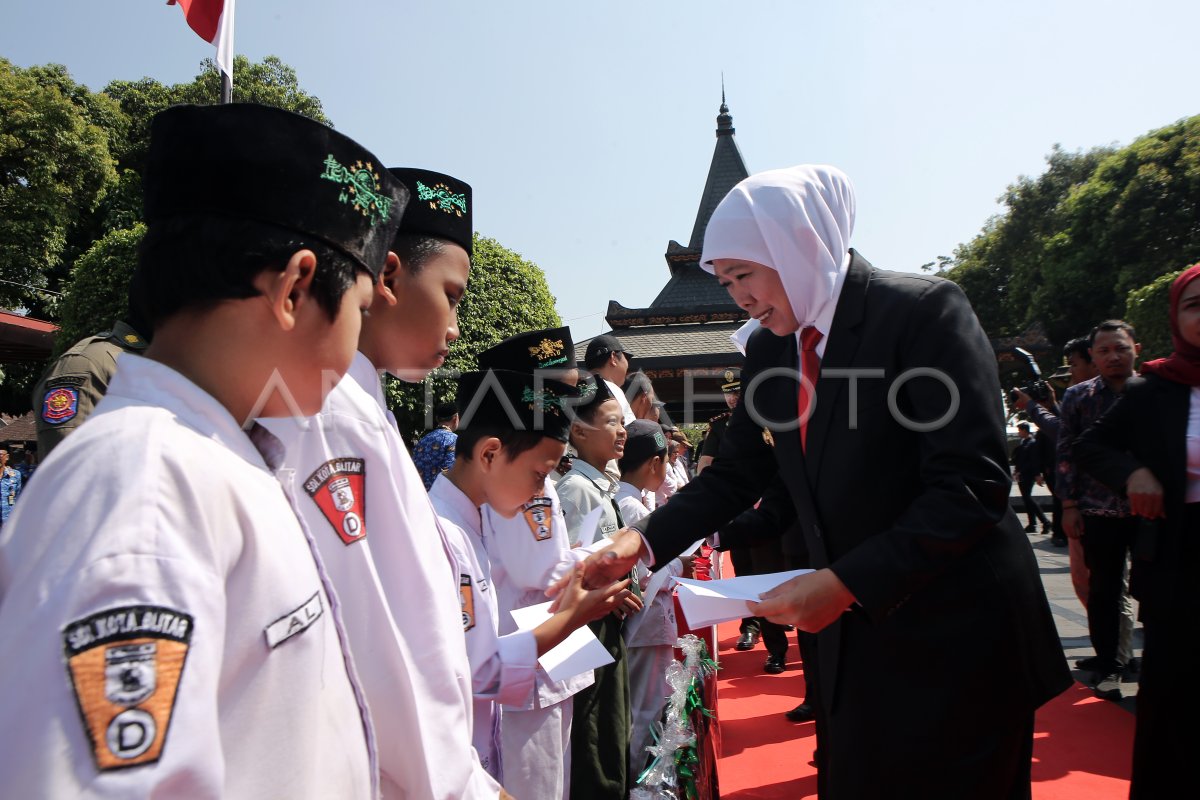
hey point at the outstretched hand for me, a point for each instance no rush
(608, 565)
(811, 601)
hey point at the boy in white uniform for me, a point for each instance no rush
(503, 466)
(155, 554)
(529, 552)
(355, 483)
(649, 636)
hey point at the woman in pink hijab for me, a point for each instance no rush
(1148, 447)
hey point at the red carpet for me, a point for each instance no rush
(1082, 745)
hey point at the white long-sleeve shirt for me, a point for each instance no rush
(357, 487)
(528, 553)
(502, 667)
(156, 554)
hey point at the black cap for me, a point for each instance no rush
(592, 391)
(441, 206)
(643, 440)
(252, 162)
(445, 411)
(731, 381)
(601, 348)
(516, 400)
(546, 348)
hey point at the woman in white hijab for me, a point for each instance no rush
(935, 641)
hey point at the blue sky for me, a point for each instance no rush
(586, 129)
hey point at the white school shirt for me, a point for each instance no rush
(583, 488)
(655, 625)
(356, 486)
(502, 666)
(155, 582)
(528, 553)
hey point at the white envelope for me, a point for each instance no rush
(589, 526)
(578, 653)
(709, 602)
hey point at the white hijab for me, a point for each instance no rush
(798, 222)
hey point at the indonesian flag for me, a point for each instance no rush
(213, 21)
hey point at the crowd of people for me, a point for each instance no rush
(197, 598)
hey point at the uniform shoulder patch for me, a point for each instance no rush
(60, 402)
(538, 514)
(125, 664)
(339, 488)
(468, 601)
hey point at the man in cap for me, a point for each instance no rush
(386, 557)
(608, 359)
(73, 383)
(156, 554)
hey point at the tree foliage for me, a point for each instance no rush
(505, 295)
(71, 162)
(1148, 310)
(99, 288)
(1074, 242)
(55, 168)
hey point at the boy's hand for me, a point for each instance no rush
(586, 605)
(615, 561)
(626, 604)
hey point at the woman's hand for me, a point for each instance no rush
(1145, 494)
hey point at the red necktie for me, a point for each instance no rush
(810, 368)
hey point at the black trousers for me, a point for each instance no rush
(1167, 737)
(1107, 542)
(1032, 509)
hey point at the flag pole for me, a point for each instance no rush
(226, 88)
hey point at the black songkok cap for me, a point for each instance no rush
(731, 381)
(252, 162)
(602, 347)
(441, 206)
(516, 400)
(592, 392)
(644, 440)
(548, 348)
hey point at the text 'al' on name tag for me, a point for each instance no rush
(294, 622)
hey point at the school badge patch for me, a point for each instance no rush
(125, 664)
(468, 601)
(538, 512)
(339, 488)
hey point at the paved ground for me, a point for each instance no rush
(1069, 615)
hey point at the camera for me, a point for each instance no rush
(1037, 389)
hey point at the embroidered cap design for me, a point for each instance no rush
(361, 188)
(440, 197)
(548, 402)
(548, 352)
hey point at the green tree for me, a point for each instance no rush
(99, 290)
(55, 168)
(1148, 310)
(71, 163)
(1003, 269)
(505, 295)
(1073, 242)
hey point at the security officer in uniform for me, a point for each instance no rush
(75, 381)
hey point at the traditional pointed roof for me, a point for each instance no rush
(691, 286)
(691, 294)
(726, 171)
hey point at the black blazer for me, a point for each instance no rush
(913, 518)
(1147, 427)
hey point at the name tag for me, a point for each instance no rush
(294, 622)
